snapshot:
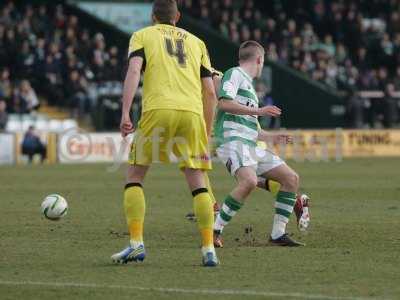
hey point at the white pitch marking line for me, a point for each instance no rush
(181, 290)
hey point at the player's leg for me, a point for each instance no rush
(191, 216)
(274, 168)
(151, 130)
(210, 191)
(246, 182)
(203, 209)
(269, 185)
(134, 209)
(285, 202)
(235, 156)
(134, 202)
(301, 208)
(192, 150)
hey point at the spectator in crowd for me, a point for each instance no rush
(113, 68)
(25, 61)
(28, 96)
(390, 109)
(355, 110)
(32, 145)
(6, 87)
(263, 93)
(205, 16)
(76, 91)
(24, 99)
(397, 79)
(99, 67)
(3, 115)
(53, 82)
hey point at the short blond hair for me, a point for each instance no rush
(249, 50)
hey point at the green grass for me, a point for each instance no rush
(352, 250)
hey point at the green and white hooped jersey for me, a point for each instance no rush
(237, 86)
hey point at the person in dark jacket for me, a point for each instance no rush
(32, 145)
(390, 107)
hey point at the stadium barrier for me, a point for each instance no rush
(82, 147)
(327, 145)
(308, 145)
(7, 148)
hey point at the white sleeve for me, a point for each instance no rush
(230, 84)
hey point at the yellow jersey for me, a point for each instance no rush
(174, 62)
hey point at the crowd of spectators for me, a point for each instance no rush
(341, 43)
(347, 45)
(45, 51)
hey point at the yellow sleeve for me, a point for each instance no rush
(136, 44)
(206, 69)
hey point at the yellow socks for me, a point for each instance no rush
(208, 187)
(203, 209)
(273, 187)
(134, 206)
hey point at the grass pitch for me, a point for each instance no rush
(352, 248)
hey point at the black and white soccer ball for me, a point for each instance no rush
(54, 207)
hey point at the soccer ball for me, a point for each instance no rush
(54, 207)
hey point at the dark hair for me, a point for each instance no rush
(165, 10)
(249, 49)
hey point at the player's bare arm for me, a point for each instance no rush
(235, 108)
(209, 103)
(131, 84)
(217, 82)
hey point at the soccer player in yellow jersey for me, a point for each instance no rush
(177, 114)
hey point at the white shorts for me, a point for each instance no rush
(236, 155)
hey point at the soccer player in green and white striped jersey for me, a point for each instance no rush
(236, 134)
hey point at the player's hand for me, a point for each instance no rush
(283, 139)
(126, 126)
(269, 110)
